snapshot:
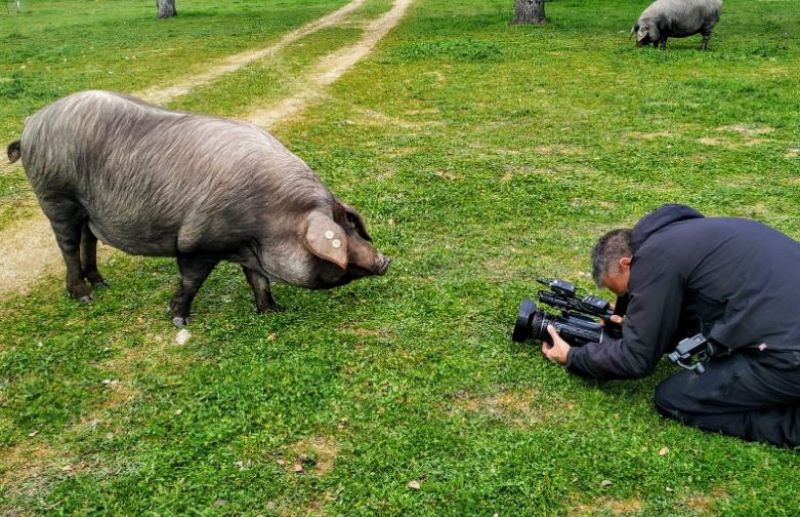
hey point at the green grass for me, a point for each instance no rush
(482, 155)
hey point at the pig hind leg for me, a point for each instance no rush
(89, 257)
(194, 268)
(66, 218)
(706, 36)
(261, 290)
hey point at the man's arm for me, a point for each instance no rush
(648, 332)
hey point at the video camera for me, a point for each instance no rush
(579, 322)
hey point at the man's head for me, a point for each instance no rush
(611, 260)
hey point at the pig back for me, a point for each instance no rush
(153, 181)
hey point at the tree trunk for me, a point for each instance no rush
(166, 8)
(530, 11)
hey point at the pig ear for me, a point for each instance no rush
(326, 239)
(355, 218)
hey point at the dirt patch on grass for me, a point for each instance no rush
(608, 506)
(562, 149)
(750, 136)
(314, 454)
(792, 153)
(372, 333)
(747, 130)
(373, 118)
(500, 267)
(24, 461)
(651, 136)
(559, 170)
(703, 504)
(519, 407)
(119, 393)
(27, 250)
(8, 168)
(26, 468)
(711, 141)
(446, 175)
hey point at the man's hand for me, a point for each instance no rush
(557, 352)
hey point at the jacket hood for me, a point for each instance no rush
(658, 219)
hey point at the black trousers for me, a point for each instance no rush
(752, 395)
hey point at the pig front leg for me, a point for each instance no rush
(261, 290)
(194, 268)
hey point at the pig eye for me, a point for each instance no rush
(357, 224)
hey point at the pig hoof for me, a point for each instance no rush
(87, 299)
(102, 284)
(180, 322)
(271, 308)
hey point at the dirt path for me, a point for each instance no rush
(27, 247)
(330, 68)
(163, 95)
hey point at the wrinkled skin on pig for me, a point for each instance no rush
(150, 181)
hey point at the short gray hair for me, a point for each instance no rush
(609, 249)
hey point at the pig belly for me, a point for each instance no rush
(136, 241)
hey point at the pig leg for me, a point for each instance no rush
(194, 268)
(706, 37)
(66, 223)
(261, 290)
(89, 257)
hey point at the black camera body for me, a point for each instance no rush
(580, 319)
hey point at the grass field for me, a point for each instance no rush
(482, 155)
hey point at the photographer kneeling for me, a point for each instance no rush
(735, 281)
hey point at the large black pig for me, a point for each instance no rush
(155, 182)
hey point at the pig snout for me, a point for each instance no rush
(383, 264)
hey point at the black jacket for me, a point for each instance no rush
(737, 281)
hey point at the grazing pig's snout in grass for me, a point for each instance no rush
(383, 266)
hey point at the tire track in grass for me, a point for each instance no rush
(330, 68)
(162, 95)
(27, 247)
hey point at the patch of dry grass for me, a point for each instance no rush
(518, 407)
(608, 506)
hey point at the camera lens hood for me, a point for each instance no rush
(522, 329)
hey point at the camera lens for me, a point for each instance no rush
(531, 323)
(538, 326)
(521, 327)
